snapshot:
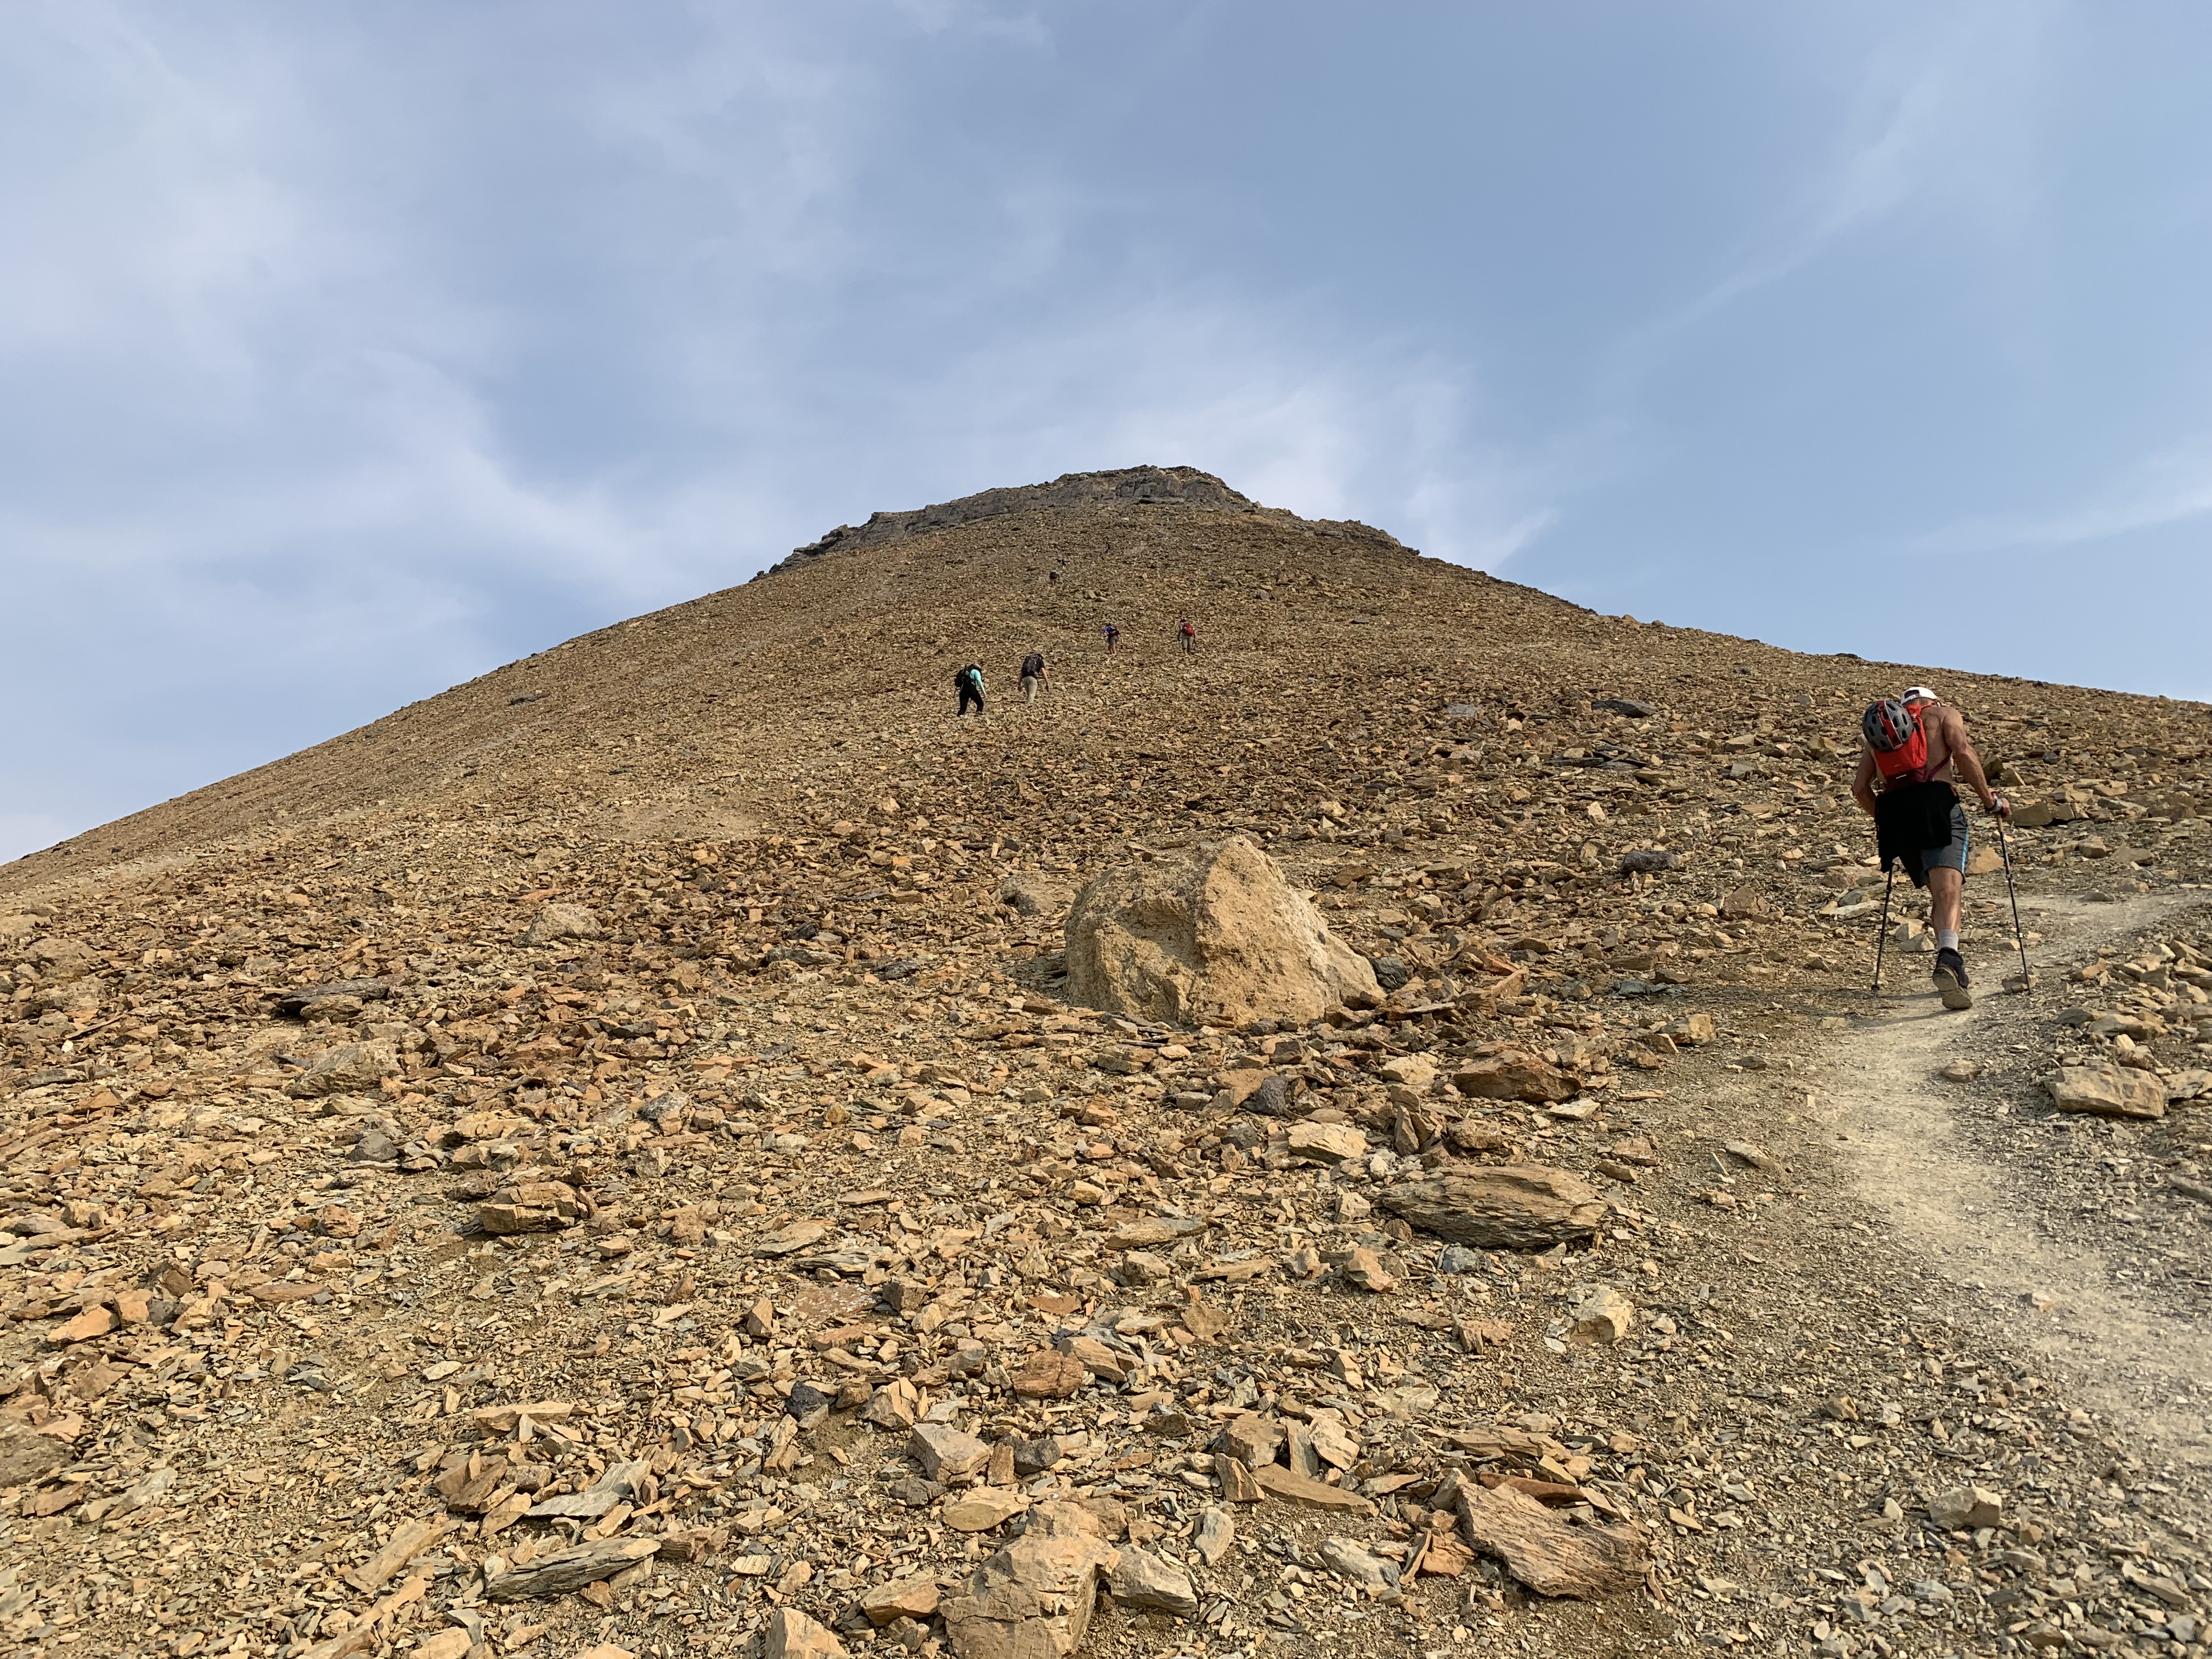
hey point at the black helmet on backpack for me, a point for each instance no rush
(1889, 725)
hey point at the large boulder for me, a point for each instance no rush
(1514, 1207)
(1033, 1599)
(1215, 936)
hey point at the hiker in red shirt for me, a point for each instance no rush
(1189, 637)
(1915, 747)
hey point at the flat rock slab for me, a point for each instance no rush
(1516, 1206)
(1279, 1482)
(2107, 1091)
(1549, 1553)
(569, 1570)
(984, 1508)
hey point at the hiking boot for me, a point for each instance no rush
(1951, 980)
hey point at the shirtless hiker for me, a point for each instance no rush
(1916, 750)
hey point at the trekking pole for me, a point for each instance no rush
(1881, 939)
(2019, 939)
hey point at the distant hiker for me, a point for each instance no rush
(968, 682)
(1189, 637)
(1035, 676)
(1113, 639)
(1914, 746)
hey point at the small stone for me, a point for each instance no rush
(1349, 1559)
(1960, 1071)
(559, 921)
(1033, 1599)
(1143, 1581)
(914, 1598)
(790, 1634)
(1515, 1207)
(1365, 1272)
(92, 1322)
(1217, 1530)
(1415, 1071)
(1755, 1157)
(1252, 1440)
(1966, 1509)
(1238, 1484)
(1512, 1074)
(1279, 1482)
(1326, 1142)
(1603, 1317)
(984, 1510)
(946, 1455)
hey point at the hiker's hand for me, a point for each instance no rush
(1999, 807)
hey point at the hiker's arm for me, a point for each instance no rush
(1970, 764)
(1863, 783)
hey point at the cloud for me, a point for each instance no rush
(1943, 118)
(2168, 488)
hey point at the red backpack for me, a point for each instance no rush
(1898, 740)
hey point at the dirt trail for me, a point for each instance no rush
(1906, 1131)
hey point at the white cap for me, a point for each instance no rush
(1918, 694)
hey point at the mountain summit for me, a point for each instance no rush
(611, 1157)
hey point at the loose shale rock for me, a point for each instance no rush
(1516, 1206)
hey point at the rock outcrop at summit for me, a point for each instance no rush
(1215, 937)
(1125, 486)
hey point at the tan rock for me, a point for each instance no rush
(914, 1598)
(1238, 1484)
(559, 921)
(1515, 1207)
(2107, 1091)
(1966, 1508)
(1365, 1271)
(984, 1510)
(1048, 1374)
(790, 1634)
(351, 1068)
(1326, 1142)
(1513, 1074)
(1252, 1439)
(1546, 1551)
(946, 1455)
(1142, 1581)
(92, 1322)
(1415, 1071)
(1602, 1317)
(1277, 1481)
(532, 1206)
(1214, 936)
(1033, 1599)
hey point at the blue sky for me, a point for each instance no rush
(347, 352)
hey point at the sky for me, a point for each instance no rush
(348, 352)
